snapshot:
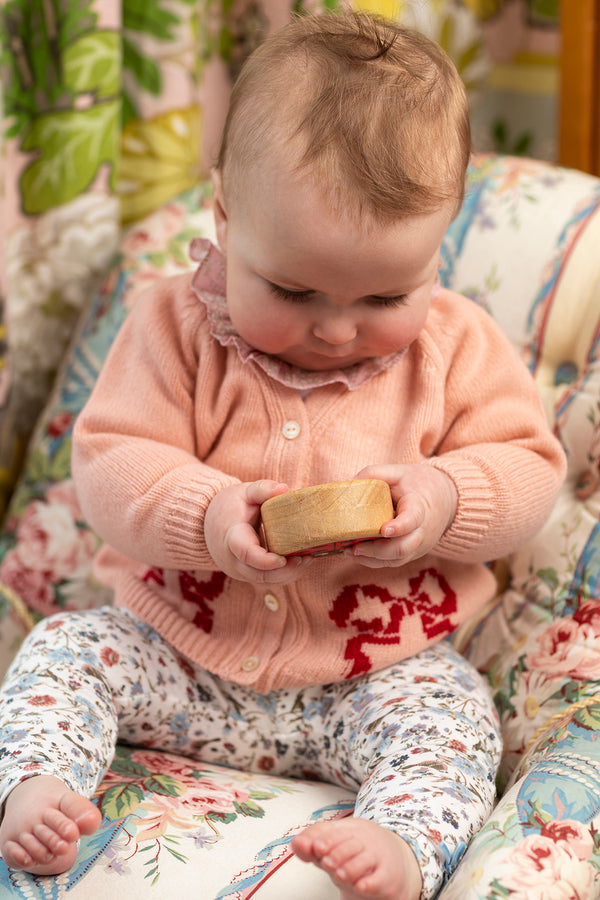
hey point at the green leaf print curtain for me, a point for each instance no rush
(101, 104)
(112, 107)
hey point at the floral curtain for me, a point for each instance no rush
(112, 107)
(101, 123)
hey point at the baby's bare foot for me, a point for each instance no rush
(362, 859)
(43, 820)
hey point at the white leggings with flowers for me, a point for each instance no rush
(419, 742)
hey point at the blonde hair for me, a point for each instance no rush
(377, 112)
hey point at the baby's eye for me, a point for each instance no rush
(390, 302)
(290, 296)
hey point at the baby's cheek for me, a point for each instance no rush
(276, 331)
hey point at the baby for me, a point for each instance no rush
(315, 345)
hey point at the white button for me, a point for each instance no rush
(271, 602)
(291, 430)
(249, 664)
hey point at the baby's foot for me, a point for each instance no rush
(43, 820)
(362, 859)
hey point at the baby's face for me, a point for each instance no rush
(317, 290)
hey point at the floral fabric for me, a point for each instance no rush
(101, 124)
(543, 846)
(170, 823)
(540, 645)
(418, 742)
(46, 562)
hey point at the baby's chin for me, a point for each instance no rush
(317, 362)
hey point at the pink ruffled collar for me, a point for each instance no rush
(208, 283)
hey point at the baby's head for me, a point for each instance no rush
(376, 113)
(342, 165)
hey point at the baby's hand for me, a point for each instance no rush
(425, 500)
(230, 531)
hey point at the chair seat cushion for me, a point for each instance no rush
(173, 827)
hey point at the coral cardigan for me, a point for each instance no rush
(176, 415)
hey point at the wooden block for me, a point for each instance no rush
(325, 518)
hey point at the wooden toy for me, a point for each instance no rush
(325, 518)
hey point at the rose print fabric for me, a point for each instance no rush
(418, 741)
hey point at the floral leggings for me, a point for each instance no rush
(419, 742)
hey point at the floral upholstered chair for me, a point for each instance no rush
(526, 247)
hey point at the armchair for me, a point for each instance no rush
(525, 246)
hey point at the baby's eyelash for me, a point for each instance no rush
(285, 294)
(390, 302)
(302, 297)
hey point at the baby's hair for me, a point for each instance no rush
(377, 112)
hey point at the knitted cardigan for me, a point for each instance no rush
(177, 414)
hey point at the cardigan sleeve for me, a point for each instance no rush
(497, 446)
(135, 462)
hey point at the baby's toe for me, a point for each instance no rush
(355, 867)
(37, 851)
(80, 810)
(342, 852)
(15, 856)
(51, 839)
(302, 845)
(61, 824)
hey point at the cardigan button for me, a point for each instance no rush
(271, 602)
(249, 664)
(291, 430)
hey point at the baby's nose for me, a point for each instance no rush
(335, 328)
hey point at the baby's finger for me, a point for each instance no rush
(411, 515)
(390, 552)
(261, 567)
(259, 491)
(243, 544)
(288, 574)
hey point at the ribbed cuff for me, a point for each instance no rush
(477, 504)
(184, 531)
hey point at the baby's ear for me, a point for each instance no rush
(219, 211)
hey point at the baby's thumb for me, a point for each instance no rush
(259, 491)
